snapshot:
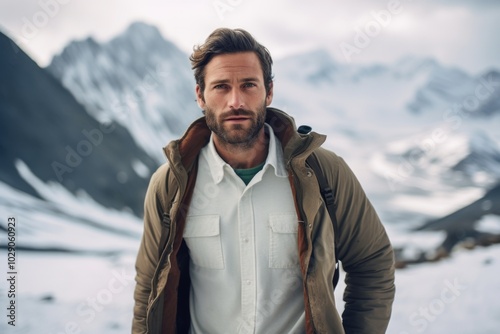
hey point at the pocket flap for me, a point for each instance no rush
(202, 226)
(284, 223)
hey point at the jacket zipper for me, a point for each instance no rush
(166, 222)
(165, 231)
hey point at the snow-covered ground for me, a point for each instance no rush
(89, 288)
(456, 295)
(67, 293)
(84, 292)
(63, 221)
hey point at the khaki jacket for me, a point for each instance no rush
(162, 290)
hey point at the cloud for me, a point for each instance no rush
(455, 32)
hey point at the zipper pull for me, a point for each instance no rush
(164, 233)
(166, 220)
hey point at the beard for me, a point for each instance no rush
(236, 134)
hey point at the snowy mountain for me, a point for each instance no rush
(137, 79)
(376, 117)
(377, 100)
(422, 137)
(442, 85)
(490, 103)
(125, 79)
(457, 160)
(45, 130)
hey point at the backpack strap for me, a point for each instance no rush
(164, 201)
(329, 198)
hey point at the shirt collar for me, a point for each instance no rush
(274, 158)
(275, 154)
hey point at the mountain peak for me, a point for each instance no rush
(138, 79)
(142, 30)
(410, 66)
(44, 117)
(84, 44)
(75, 49)
(9, 57)
(315, 66)
(140, 36)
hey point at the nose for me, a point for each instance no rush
(236, 99)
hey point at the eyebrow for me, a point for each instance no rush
(224, 81)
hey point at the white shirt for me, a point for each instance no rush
(242, 241)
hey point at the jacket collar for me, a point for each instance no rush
(182, 153)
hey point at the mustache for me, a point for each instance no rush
(236, 112)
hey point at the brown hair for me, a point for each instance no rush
(223, 41)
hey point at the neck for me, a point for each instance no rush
(244, 155)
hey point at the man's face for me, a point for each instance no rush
(234, 99)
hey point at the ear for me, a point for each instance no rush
(199, 97)
(269, 97)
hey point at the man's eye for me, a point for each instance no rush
(249, 84)
(221, 86)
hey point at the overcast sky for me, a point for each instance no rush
(460, 33)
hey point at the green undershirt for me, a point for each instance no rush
(247, 174)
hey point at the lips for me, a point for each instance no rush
(236, 118)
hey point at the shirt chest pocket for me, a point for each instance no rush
(283, 249)
(202, 236)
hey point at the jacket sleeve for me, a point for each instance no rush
(147, 257)
(367, 258)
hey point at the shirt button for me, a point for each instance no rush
(245, 240)
(249, 282)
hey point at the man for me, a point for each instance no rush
(237, 238)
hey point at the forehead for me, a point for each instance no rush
(241, 63)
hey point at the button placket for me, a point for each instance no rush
(247, 254)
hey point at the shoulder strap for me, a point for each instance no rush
(328, 197)
(164, 201)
